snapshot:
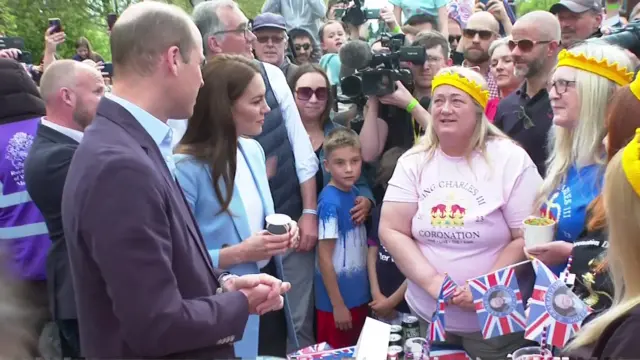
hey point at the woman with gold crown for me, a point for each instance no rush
(613, 335)
(590, 264)
(462, 162)
(580, 90)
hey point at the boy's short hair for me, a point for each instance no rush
(339, 138)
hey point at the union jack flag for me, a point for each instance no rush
(554, 306)
(449, 355)
(436, 329)
(327, 354)
(448, 288)
(498, 303)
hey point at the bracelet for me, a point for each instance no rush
(310, 212)
(412, 105)
(396, 30)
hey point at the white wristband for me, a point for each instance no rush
(310, 211)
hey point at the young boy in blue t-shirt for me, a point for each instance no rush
(341, 283)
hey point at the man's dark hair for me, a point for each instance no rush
(430, 39)
(420, 19)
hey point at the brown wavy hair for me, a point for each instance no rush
(621, 126)
(211, 135)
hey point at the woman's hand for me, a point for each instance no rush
(553, 253)
(263, 245)
(360, 211)
(400, 98)
(462, 297)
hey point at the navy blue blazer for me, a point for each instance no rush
(222, 229)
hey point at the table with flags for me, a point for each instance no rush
(552, 316)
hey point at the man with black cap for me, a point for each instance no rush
(579, 19)
(271, 42)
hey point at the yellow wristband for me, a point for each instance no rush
(412, 105)
(397, 29)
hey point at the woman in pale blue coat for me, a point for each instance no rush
(223, 174)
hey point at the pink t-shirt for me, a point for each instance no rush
(465, 212)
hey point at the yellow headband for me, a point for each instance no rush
(613, 72)
(467, 85)
(631, 162)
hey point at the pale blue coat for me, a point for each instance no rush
(221, 229)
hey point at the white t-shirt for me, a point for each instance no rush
(250, 198)
(466, 209)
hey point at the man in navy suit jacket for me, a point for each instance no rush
(145, 286)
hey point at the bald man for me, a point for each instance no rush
(145, 286)
(526, 114)
(71, 91)
(482, 29)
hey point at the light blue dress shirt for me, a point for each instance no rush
(159, 131)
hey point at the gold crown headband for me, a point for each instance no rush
(635, 88)
(611, 71)
(631, 162)
(460, 82)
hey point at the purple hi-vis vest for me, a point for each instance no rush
(23, 232)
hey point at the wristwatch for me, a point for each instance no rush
(221, 279)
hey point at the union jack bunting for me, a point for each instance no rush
(498, 303)
(436, 329)
(448, 288)
(327, 354)
(554, 306)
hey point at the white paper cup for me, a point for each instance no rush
(278, 224)
(535, 235)
(532, 353)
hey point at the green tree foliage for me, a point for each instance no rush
(527, 6)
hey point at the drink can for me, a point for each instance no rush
(396, 329)
(394, 352)
(395, 339)
(410, 327)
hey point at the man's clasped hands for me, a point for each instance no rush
(264, 292)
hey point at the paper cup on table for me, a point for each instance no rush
(538, 231)
(278, 224)
(532, 353)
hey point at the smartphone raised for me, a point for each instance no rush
(111, 19)
(108, 68)
(371, 14)
(25, 57)
(56, 24)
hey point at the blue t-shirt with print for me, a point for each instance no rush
(416, 7)
(350, 254)
(568, 204)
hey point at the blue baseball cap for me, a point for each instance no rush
(269, 20)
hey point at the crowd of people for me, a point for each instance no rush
(138, 208)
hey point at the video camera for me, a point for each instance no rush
(627, 37)
(379, 76)
(355, 15)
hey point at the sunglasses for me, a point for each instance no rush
(303, 46)
(483, 34)
(275, 39)
(455, 38)
(305, 93)
(525, 45)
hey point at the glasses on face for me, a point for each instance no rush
(244, 29)
(455, 38)
(525, 45)
(275, 39)
(561, 86)
(305, 93)
(302, 46)
(483, 34)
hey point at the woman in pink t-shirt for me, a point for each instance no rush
(455, 205)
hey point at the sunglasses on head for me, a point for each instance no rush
(525, 45)
(303, 46)
(483, 34)
(305, 93)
